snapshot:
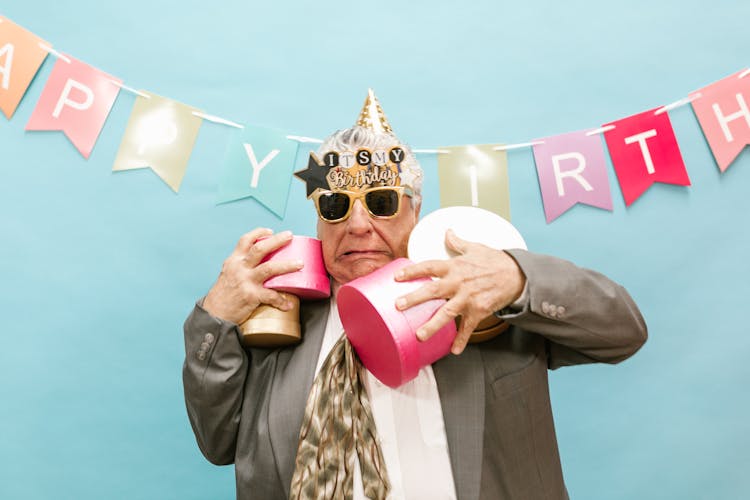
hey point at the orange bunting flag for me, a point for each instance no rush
(160, 134)
(21, 55)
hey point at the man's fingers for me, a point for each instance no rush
(273, 268)
(426, 269)
(248, 239)
(430, 290)
(263, 247)
(446, 313)
(455, 243)
(463, 334)
(275, 299)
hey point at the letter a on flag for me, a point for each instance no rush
(160, 134)
(20, 59)
(572, 169)
(644, 150)
(76, 100)
(723, 110)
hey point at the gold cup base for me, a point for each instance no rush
(487, 329)
(268, 326)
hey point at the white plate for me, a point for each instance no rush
(427, 240)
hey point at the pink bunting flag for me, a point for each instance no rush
(722, 110)
(644, 150)
(76, 100)
(572, 169)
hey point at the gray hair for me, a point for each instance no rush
(351, 139)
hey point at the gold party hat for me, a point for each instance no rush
(372, 115)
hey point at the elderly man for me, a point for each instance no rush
(476, 424)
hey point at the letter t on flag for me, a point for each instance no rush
(722, 111)
(258, 163)
(77, 100)
(644, 150)
(572, 169)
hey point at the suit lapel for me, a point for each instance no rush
(460, 381)
(293, 379)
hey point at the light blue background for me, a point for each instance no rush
(99, 269)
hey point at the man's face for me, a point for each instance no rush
(361, 244)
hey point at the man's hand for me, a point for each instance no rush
(477, 282)
(239, 289)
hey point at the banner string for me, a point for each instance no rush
(678, 103)
(506, 147)
(130, 89)
(55, 53)
(303, 139)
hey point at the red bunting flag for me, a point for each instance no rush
(722, 111)
(644, 150)
(76, 100)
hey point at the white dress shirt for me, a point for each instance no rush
(411, 430)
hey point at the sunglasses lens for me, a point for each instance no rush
(333, 206)
(383, 202)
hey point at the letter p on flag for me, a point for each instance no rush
(76, 100)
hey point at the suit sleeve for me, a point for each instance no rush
(213, 377)
(584, 316)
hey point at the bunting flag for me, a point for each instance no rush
(722, 111)
(572, 169)
(160, 134)
(76, 100)
(258, 163)
(475, 175)
(644, 150)
(21, 56)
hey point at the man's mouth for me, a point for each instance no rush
(361, 252)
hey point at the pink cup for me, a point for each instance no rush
(384, 337)
(310, 282)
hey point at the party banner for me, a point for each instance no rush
(722, 111)
(572, 169)
(76, 100)
(20, 59)
(475, 175)
(644, 150)
(258, 163)
(160, 134)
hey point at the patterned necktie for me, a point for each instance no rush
(338, 420)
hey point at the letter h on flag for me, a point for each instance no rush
(722, 110)
(572, 169)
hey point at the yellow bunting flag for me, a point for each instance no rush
(160, 134)
(21, 55)
(474, 175)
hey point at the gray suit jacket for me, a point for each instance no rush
(246, 406)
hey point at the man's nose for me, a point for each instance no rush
(359, 220)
